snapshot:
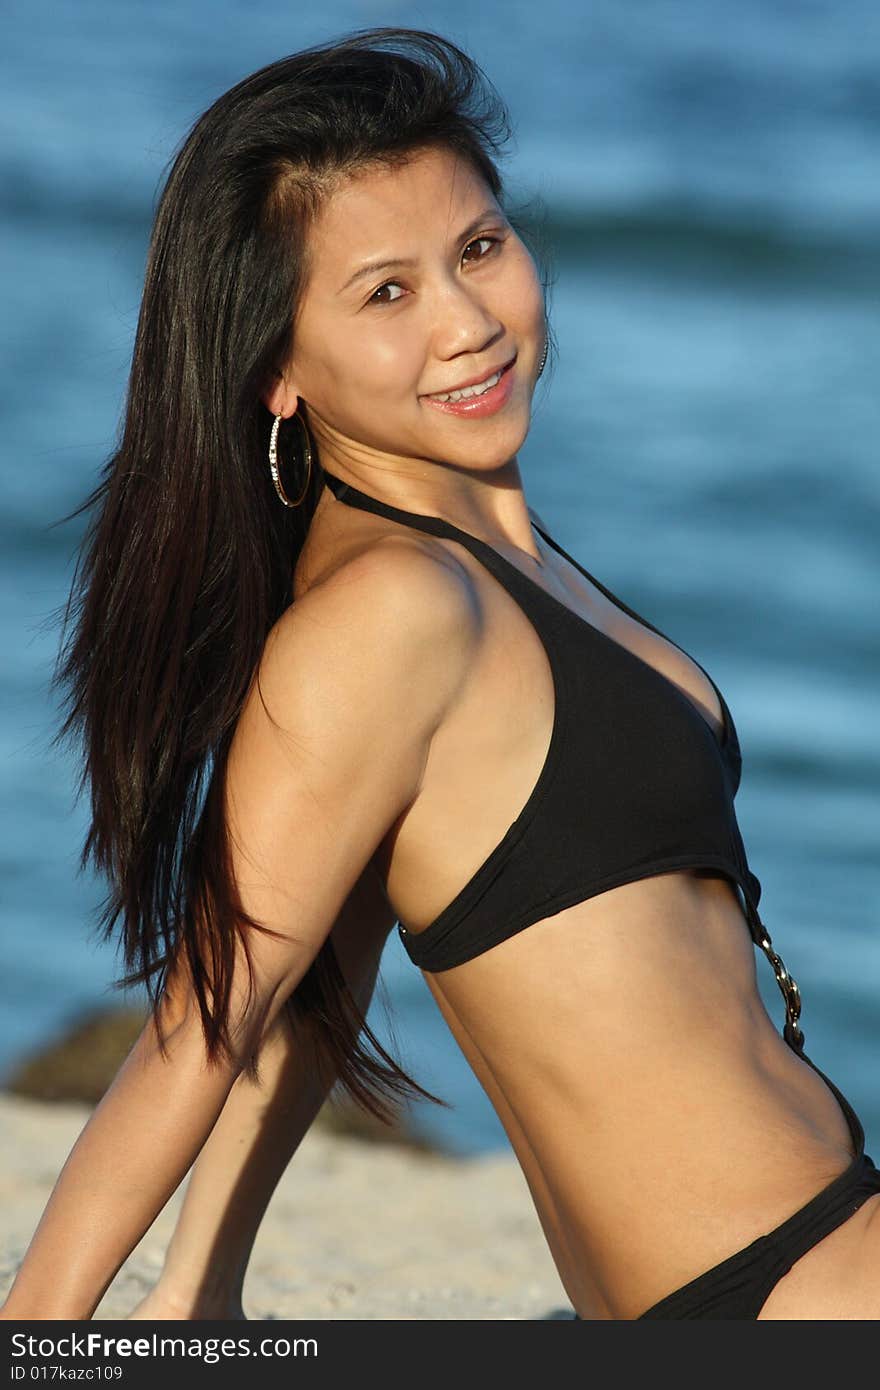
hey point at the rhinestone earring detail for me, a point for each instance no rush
(544, 356)
(273, 459)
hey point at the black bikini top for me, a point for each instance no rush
(635, 781)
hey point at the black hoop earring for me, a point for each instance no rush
(273, 459)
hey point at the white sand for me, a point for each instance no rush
(355, 1229)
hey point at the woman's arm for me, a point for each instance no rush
(132, 1154)
(329, 752)
(259, 1130)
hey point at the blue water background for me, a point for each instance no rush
(708, 444)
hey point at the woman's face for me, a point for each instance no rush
(461, 299)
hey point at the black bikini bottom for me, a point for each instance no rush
(738, 1287)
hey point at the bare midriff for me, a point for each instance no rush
(661, 1121)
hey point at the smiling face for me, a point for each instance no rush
(461, 299)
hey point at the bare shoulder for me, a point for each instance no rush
(377, 651)
(411, 573)
(397, 612)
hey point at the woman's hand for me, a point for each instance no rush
(157, 1307)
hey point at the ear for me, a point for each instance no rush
(279, 397)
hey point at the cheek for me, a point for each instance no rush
(524, 297)
(380, 353)
(358, 373)
(363, 389)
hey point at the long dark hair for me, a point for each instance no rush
(188, 558)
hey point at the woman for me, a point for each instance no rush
(332, 673)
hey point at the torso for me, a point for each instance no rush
(659, 1119)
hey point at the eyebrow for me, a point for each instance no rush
(372, 267)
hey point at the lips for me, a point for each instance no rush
(474, 381)
(483, 403)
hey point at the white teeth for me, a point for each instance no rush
(466, 391)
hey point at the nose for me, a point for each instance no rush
(463, 320)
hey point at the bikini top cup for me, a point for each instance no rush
(635, 781)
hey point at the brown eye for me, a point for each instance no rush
(388, 283)
(493, 240)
